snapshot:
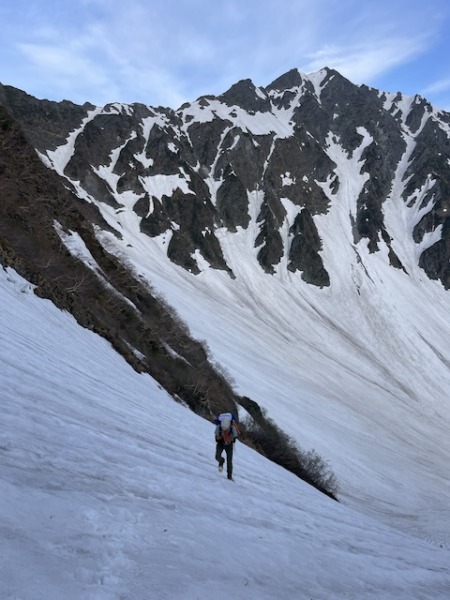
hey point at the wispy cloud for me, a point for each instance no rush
(438, 86)
(69, 72)
(166, 52)
(363, 60)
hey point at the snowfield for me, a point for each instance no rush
(109, 491)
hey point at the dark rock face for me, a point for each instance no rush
(264, 160)
(246, 96)
(304, 252)
(46, 124)
(429, 188)
(232, 202)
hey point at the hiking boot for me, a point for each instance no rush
(230, 477)
(220, 468)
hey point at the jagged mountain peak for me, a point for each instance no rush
(247, 96)
(288, 151)
(287, 81)
(312, 83)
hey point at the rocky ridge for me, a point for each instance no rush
(212, 163)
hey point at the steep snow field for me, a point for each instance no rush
(358, 371)
(109, 490)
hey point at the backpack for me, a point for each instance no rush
(226, 421)
(225, 417)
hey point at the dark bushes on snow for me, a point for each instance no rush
(266, 437)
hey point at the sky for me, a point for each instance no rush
(167, 52)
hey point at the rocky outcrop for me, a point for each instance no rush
(46, 124)
(304, 252)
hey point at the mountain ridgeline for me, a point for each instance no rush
(270, 161)
(210, 164)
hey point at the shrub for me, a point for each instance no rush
(267, 438)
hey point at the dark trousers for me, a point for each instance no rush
(220, 447)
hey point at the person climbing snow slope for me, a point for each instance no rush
(226, 434)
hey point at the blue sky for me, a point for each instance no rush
(166, 52)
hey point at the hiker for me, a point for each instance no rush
(226, 434)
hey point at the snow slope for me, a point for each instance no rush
(358, 371)
(109, 491)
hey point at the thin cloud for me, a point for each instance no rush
(166, 52)
(438, 86)
(68, 72)
(365, 61)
